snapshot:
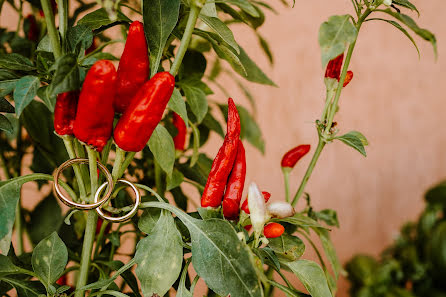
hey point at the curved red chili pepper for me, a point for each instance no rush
(136, 125)
(95, 113)
(235, 185)
(245, 208)
(224, 161)
(180, 139)
(348, 78)
(65, 112)
(273, 230)
(334, 67)
(294, 155)
(133, 70)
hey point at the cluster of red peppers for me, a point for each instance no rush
(89, 115)
(333, 70)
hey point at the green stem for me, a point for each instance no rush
(90, 228)
(158, 180)
(100, 238)
(315, 249)
(51, 26)
(62, 6)
(286, 177)
(317, 153)
(119, 160)
(191, 21)
(127, 161)
(19, 229)
(68, 141)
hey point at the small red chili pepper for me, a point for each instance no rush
(348, 78)
(248, 227)
(223, 162)
(334, 67)
(290, 159)
(62, 280)
(95, 114)
(133, 70)
(273, 230)
(180, 139)
(136, 125)
(33, 31)
(245, 208)
(65, 112)
(235, 185)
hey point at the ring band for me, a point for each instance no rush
(58, 192)
(128, 215)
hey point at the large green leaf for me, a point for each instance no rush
(163, 149)
(9, 197)
(197, 101)
(7, 267)
(406, 4)
(49, 259)
(25, 288)
(222, 30)
(99, 18)
(7, 86)
(80, 37)
(160, 18)
(16, 62)
(312, 277)
(66, 77)
(25, 91)
(5, 124)
(288, 248)
(177, 104)
(334, 35)
(159, 257)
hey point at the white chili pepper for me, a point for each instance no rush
(280, 209)
(257, 208)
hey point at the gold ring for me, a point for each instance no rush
(128, 215)
(58, 192)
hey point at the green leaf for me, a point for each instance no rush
(209, 9)
(355, 140)
(212, 124)
(312, 277)
(80, 37)
(49, 259)
(5, 243)
(288, 248)
(253, 72)
(7, 86)
(148, 220)
(163, 149)
(300, 220)
(25, 91)
(99, 18)
(196, 98)
(175, 180)
(265, 47)
(7, 267)
(66, 77)
(5, 106)
(96, 57)
(222, 30)
(45, 44)
(160, 18)
(329, 249)
(159, 257)
(47, 98)
(16, 62)
(182, 291)
(245, 6)
(399, 27)
(334, 35)
(411, 24)
(329, 216)
(127, 275)
(177, 104)
(25, 287)
(5, 124)
(406, 4)
(45, 219)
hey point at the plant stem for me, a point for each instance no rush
(317, 153)
(286, 177)
(68, 141)
(62, 6)
(190, 26)
(119, 160)
(90, 227)
(52, 32)
(127, 161)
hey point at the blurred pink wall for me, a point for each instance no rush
(395, 100)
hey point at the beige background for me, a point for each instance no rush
(396, 100)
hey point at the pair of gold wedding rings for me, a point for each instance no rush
(98, 202)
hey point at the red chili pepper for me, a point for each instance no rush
(248, 227)
(33, 31)
(334, 67)
(62, 280)
(245, 208)
(290, 159)
(273, 230)
(95, 114)
(180, 139)
(348, 78)
(133, 70)
(235, 185)
(65, 112)
(223, 162)
(144, 113)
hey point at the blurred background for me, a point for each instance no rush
(395, 99)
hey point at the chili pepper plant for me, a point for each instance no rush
(142, 117)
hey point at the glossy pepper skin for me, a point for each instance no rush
(65, 112)
(180, 139)
(136, 125)
(95, 113)
(273, 230)
(245, 208)
(334, 67)
(133, 70)
(348, 78)
(290, 159)
(223, 162)
(235, 185)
